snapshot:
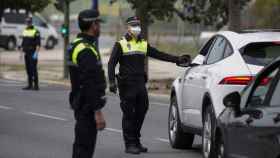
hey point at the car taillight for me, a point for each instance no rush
(237, 80)
(242, 80)
(265, 81)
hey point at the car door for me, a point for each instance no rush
(196, 79)
(245, 134)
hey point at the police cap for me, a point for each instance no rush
(28, 20)
(86, 17)
(134, 20)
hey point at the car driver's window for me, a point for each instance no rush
(206, 47)
(258, 96)
(217, 51)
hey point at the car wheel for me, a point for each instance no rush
(50, 43)
(208, 143)
(221, 152)
(177, 137)
(11, 44)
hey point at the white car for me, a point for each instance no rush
(226, 63)
(12, 25)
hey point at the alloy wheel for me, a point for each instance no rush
(173, 123)
(207, 136)
(221, 149)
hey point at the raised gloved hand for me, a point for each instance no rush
(184, 59)
(113, 87)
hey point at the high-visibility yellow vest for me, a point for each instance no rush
(134, 47)
(29, 33)
(79, 46)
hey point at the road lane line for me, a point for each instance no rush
(46, 116)
(159, 104)
(162, 140)
(113, 130)
(5, 107)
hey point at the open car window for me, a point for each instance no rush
(205, 49)
(217, 51)
(275, 97)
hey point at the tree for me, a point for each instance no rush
(207, 12)
(29, 5)
(59, 4)
(214, 12)
(264, 14)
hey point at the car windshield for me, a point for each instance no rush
(261, 54)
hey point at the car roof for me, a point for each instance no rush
(238, 40)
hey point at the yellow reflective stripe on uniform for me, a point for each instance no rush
(134, 46)
(79, 48)
(76, 40)
(29, 32)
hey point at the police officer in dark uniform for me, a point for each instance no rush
(31, 42)
(130, 52)
(87, 96)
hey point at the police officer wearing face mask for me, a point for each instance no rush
(31, 42)
(88, 84)
(130, 52)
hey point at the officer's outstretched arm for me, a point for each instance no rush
(155, 53)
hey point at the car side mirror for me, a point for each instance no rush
(198, 60)
(233, 100)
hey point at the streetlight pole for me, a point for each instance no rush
(66, 38)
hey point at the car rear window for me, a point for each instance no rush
(261, 54)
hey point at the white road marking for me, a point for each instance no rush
(5, 107)
(16, 85)
(163, 140)
(113, 130)
(11, 82)
(159, 104)
(46, 116)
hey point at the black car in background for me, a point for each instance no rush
(249, 127)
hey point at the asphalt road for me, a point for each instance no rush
(40, 125)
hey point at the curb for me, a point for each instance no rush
(164, 97)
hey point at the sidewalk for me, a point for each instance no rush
(51, 67)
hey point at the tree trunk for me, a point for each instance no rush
(234, 10)
(66, 38)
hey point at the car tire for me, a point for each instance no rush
(208, 136)
(50, 43)
(11, 44)
(178, 139)
(221, 148)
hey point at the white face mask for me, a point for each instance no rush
(136, 30)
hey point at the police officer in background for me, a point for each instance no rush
(88, 85)
(130, 52)
(31, 42)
